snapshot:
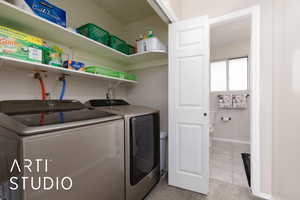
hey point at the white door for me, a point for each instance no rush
(189, 104)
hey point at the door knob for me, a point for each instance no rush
(205, 114)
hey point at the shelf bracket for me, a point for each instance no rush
(63, 77)
(116, 85)
(111, 88)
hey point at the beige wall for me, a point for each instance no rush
(238, 128)
(234, 50)
(80, 13)
(87, 11)
(152, 91)
(176, 6)
(19, 84)
(286, 80)
(154, 23)
(214, 8)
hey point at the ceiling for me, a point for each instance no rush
(231, 32)
(127, 11)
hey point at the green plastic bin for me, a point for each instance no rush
(95, 33)
(102, 70)
(131, 77)
(118, 44)
(122, 75)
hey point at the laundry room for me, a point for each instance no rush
(76, 67)
(148, 99)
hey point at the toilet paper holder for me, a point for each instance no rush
(226, 119)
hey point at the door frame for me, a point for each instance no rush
(164, 10)
(254, 13)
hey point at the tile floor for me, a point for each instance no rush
(226, 163)
(219, 190)
(227, 178)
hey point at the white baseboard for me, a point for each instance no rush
(263, 195)
(230, 140)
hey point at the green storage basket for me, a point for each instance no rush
(122, 75)
(95, 33)
(131, 77)
(102, 70)
(131, 49)
(118, 44)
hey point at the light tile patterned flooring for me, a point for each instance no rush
(219, 190)
(226, 163)
(227, 184)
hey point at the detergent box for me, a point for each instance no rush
(74, 65)
(52, 57)
(20, 45)
(43, 9)
(20, 49)
(21, 36)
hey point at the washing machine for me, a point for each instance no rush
(69, 140)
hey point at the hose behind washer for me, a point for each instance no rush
(63, 89)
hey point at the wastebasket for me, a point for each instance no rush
(163, 152)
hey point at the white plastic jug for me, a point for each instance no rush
(150, 44)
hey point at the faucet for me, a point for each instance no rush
(109, 94)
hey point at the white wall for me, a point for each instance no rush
(214, 8)
(152, 91)
(286, 87)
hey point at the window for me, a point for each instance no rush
(218, 80)
(229, 75)
(238, 74)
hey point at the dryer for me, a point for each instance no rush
(142, 145)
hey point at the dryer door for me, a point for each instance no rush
(144, 146)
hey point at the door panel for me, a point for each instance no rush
(189, 94)
(189, 138)
(189, 104)
(190, 37)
